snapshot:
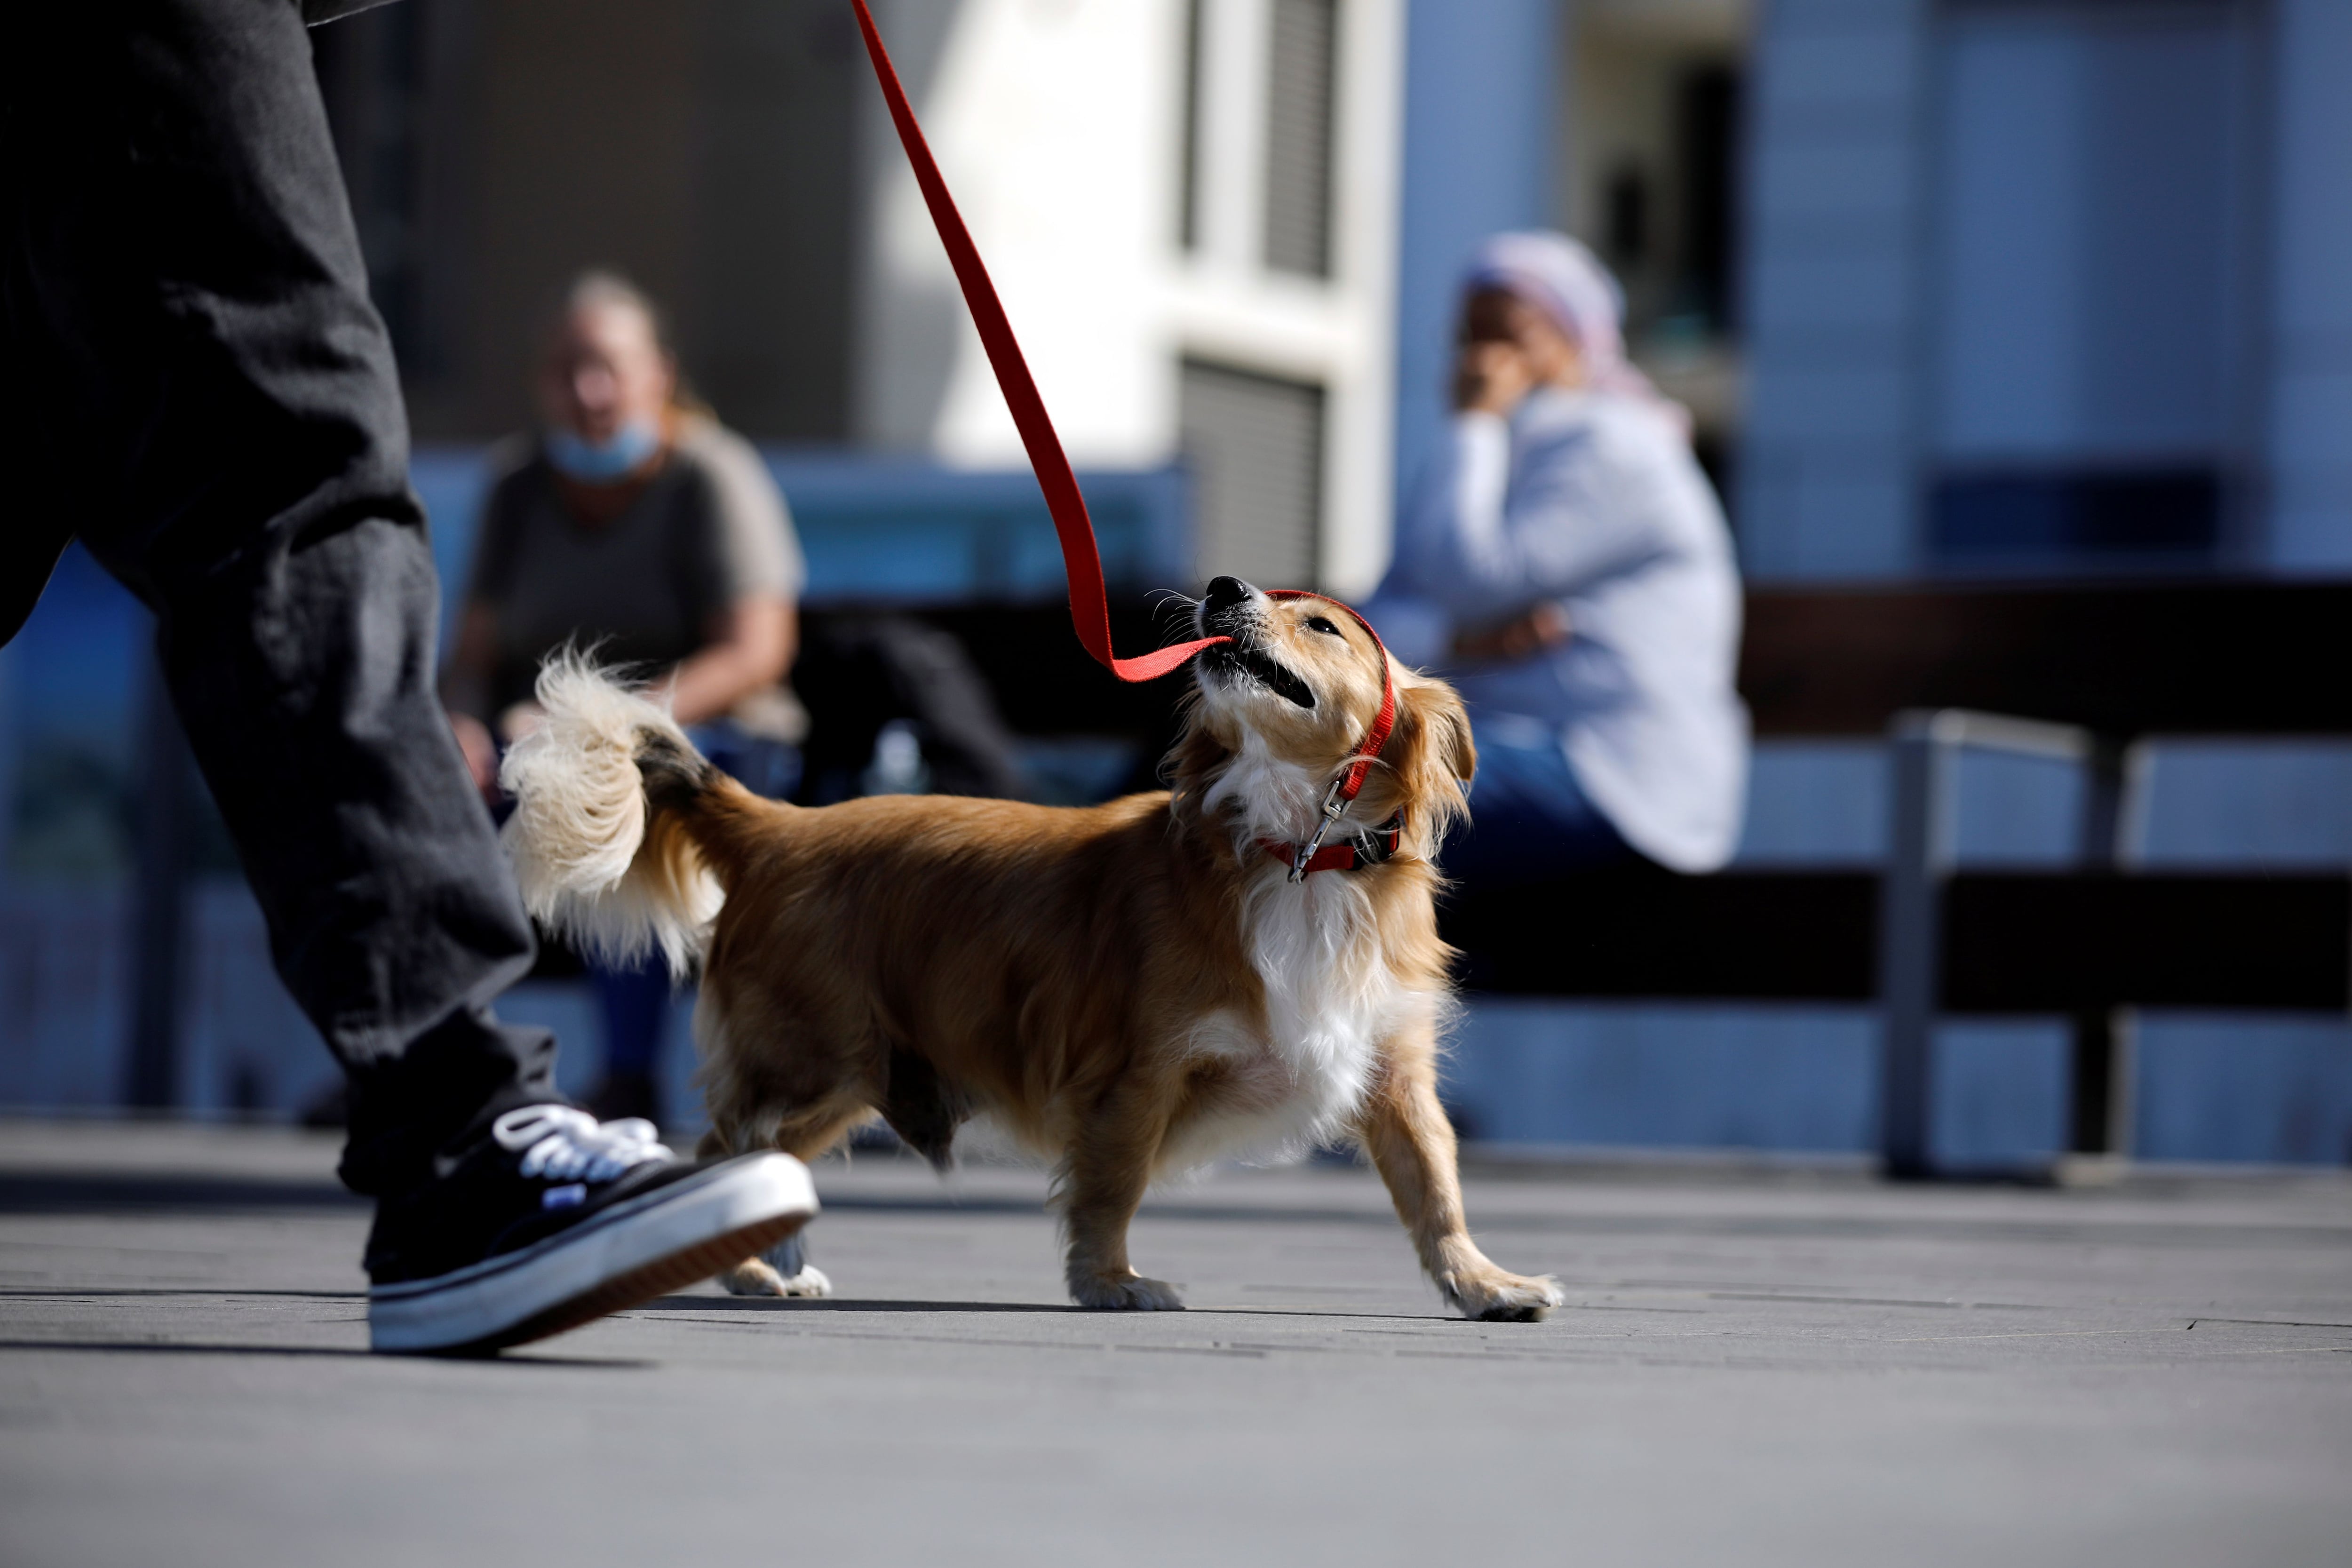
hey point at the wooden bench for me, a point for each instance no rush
(2084, 673)
(2081, 672)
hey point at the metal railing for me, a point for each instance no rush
(1925, 748)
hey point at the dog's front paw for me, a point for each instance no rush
(1500, 1298)
(753, 1277)
(1129, 1292)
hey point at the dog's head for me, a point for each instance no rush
(1286, 703)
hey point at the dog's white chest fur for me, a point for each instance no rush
(1331, 993)
(1331, 997)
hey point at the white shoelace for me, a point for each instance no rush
(565, 1145)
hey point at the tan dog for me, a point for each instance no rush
(1130, 990)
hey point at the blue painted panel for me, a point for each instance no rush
(79, 656)
(2239, 802)
(74, 672)
(2218, 1088)
(1784, 1078)
(896, 531)
(2000, 1093)
(1815, 803)
(1481, 84)
(2210, 1087)
(890, 557)
(1824, 803)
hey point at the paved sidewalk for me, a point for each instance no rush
(1786, 1371)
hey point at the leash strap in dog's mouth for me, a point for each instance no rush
(1081, 558)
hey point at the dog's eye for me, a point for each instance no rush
(1317, 623)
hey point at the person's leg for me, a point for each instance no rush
(635, 1001)
(217, 416)
(1529, 818)
(229, 391)
(768, 767)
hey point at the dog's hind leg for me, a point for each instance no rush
(1102, 1182)
(1404, 1130)
(784, 1269)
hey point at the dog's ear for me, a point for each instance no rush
(1431, 759)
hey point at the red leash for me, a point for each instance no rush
(1081, 560)
(1089, 605)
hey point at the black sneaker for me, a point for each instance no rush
(555, 1219)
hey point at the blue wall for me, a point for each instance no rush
(1481, 101)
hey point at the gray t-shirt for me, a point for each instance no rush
(708, 532)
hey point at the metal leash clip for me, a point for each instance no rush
(1335, 806)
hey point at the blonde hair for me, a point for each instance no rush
(601, 288)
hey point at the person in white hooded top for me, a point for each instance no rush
(1565, 562)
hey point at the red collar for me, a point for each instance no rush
(1311, 856)
(1368, 848)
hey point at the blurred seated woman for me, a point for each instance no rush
(637, 524)
(1564, 561)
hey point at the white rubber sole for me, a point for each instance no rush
(626, 1256)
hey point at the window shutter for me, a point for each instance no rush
(1255, 446)
(1299, 88)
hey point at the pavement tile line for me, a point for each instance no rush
(1622, 1307)
(2028, 1334)
(2268, 1323)
(1828, 1300)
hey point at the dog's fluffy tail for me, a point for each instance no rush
(605, 789)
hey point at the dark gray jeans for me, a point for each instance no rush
(192, 382)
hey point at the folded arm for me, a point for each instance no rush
(1488, 543)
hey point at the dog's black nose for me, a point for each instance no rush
(1224, 593)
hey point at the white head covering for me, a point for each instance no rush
(1562, 277)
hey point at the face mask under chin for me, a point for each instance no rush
(601, 462)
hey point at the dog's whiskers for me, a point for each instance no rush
(1175, 612)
